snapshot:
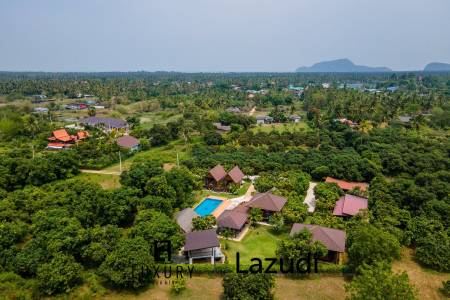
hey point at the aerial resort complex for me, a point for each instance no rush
(228, 150)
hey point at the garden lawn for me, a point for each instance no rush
(259, 242)
(200, 195)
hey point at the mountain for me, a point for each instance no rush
(436, 67)
(340, 66)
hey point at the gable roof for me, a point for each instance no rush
(108, 122)
(62, 135)
(236, 174)
(218, 173)
(82, 134)
(184, 219)
(404, 119)
(346, 185)
(127, 141)
(332, 239)
(202, 239)
(221, 127)
(267, 201)
(233, 219)
(349, 205)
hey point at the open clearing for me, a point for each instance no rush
(316, 286)
(107, 181)
(427, 282)
(259, 242)
(205, 288)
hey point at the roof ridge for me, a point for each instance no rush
(325, 232)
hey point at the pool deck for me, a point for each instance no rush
(219, 210)
(228, 202)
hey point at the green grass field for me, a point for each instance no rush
(107, 181)
(164, 154)
(259, 242)
(149, 119)
(200, 195)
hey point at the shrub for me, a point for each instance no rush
(129, 265)
(248, 286)
(60, 275)
(446, 288)
(368, 245)
(378, 282)
(178, 286)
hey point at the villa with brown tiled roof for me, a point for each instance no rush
(268, 203)
(128, 142)
(233, 220)
(202, 244)
(218, 179)
(332, 239)
(235, 175)
(349, 205)
(348, 186)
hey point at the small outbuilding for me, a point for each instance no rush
(202, 244)
(264, 120)
(294, 118)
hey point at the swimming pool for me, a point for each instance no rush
(207, 206)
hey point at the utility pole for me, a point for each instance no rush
(120, 162)
(32, 148)
(178, 161)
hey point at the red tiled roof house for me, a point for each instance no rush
(61, 139)
(348, 186)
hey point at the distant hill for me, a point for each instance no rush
(436, 67)
(341, 66)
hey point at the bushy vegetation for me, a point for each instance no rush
(248, 286)
(57, 230)
(378, 282)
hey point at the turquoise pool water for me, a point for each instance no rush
(207, 206)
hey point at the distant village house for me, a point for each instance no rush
(264, 120)
(128, 142)
(61, 139)
(106, 124)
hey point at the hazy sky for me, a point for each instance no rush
(220, 35)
